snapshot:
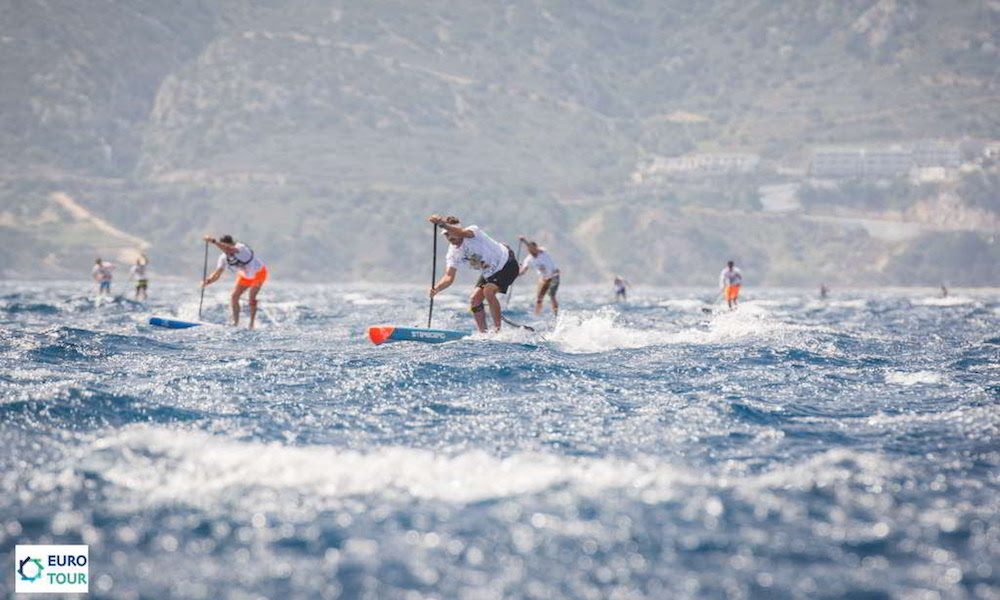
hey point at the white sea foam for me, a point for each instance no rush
(365, 300)
(823, 470)
(684, 304)
(976, 422)
(41, 375)
(283, 310)
(600, 331)
(507, 333)
(750, 321)
(774, 303)
(949, 301)
(165, 466)
(450, 302)
(912, 378)
(856, 303)
(32, 386)
(162, 466)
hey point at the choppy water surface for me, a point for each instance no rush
(792, 449)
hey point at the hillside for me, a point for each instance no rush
(326, 132)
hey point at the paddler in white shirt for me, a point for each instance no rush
(471, 246)
(250, 273)
(101, 273)
(548, 273)
(730, 281)
(139, 272)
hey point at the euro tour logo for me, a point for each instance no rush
(51, 569)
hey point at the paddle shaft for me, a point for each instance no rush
(515, 324)
(434, 262)
(510, 291)
(204, 276)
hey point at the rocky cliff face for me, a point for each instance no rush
(81, 76)
(339, 125)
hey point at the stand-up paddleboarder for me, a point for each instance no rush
(620, 286)
(139, 272)
(473, 247)
(548, 273)
(730, 281)
(101, 273)
(250, 273)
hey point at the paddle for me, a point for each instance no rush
(512, 323)
(510, 290)
(204, 276)
(434, 262)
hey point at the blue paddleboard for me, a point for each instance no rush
(173, 323)
(380, 334)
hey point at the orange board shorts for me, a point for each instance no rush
(732, 292)
(258, 279)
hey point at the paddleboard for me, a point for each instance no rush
(173, 323)
(380, 334)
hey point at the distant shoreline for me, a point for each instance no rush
(833, 289)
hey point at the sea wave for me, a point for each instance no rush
(791, 448)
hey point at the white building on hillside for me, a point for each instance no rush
(897, 160)
(937, 153)
(837, 162)
(696, 165)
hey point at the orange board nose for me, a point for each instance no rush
(378, 334)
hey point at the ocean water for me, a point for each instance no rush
(795, 448)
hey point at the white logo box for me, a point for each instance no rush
(51, 569)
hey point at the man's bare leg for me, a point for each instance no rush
(253, 303)
(490, 291)
(234, 303)
(476, 304)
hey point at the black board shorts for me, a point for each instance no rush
(505, 276)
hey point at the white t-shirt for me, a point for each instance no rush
(139, 271)
(103, 271)
(244, 255)
(727, 277)
(480, 252)
(547, 268)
